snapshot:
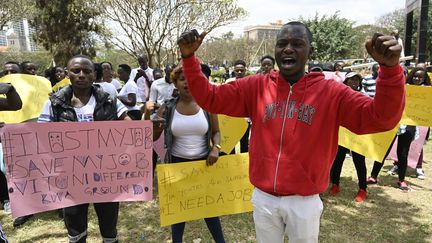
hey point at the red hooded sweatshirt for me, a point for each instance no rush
(295, 128)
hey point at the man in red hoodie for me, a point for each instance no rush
(296, 118)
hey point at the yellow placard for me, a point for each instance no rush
(192, 190)
(33, 91)
(418, 106)
(373, 146)
(65, 82)
(232, 130)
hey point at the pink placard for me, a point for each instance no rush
(415, 149)
(339, 77)
(59, 164)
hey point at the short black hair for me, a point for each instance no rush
(327, 67)
(426, 79)
(98, 70)
(170, 66)
(240, 62)
(12, 62)
(24, 64)
(106, 62)
(341, 63)
(142, 56)
(268, 57)
(52, 75)
(81, 56)
(297, 23)
(157, 70)
(126, 67)
(206, 70)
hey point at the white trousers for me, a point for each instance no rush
(296, 216)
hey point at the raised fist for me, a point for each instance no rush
(189, 42)
(384, 49)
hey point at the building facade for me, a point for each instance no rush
(18, 36)
(262, 32)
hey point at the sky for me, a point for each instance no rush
(265, 11)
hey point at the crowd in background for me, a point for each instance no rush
(163, 96)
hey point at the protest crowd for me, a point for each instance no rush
(293, 110)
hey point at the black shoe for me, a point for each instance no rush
(21, 220)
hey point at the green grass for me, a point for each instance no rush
(388, 215)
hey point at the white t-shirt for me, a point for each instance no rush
(129, 88)
(160, 91)
(109, 88)
(84, 114)
(116, 83)
(230, 80)
(189, 135)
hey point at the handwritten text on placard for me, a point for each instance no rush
(418, 107)
(192, 190)
(59, 164)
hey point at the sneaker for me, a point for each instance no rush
(361, 195)
(393, 170)
(21, 220)
(335, 189)
(403, 185)
(420, 174)
(371, 180)
(7, 207)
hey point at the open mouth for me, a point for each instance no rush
(288, 61)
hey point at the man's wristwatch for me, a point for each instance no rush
(218, 146)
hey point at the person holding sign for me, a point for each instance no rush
(406, 134)
(12, 102)
(84, 102)
(296, 119)
(353, 80)
(188, 131)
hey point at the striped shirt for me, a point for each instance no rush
(369, 85)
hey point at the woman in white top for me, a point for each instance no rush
(107, 75)
(188, 132)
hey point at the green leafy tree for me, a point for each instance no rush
(362, 34)
(333, 36)
(227, 49)
(396, 21)
(42, 59)
(393, 21)
(67, 27)
(13, 9)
